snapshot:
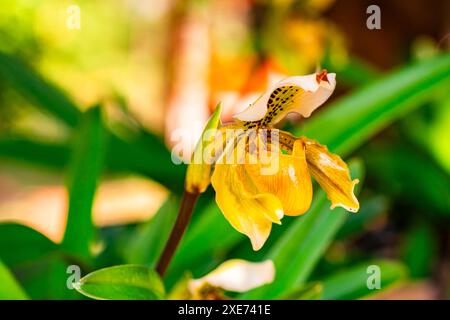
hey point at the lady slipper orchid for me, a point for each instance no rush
(251, 196)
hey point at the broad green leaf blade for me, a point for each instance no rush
(300, 247)
(354, 283)
(20, 244)
(147, 242)
(124, 282)
(348, 123)
(85, 169)
(38, 90)
(22, 149)
(10, 288)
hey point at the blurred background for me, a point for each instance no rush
(91, 93)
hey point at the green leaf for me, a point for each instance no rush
(124, 282)
(357, 223)
(47, 278)
(310, 291)
(85, 170)
(419, 250)
(20, 244)
(410, 177)
(300, 247)
(147, 242)
(22, 149)
(353, 283)
(10, 288)
(38, 90)
(348, 123)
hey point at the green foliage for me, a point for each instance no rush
(38, 90)
(146, 154)
(353, 283)
(143, 153)
(86, 165)
(44, 154)
(147, 242)
(20, 244)
(46, 277)
(373, 207)
(419, 250)
(122, 282)
(396, 172)
(10, 289)
(310, 291)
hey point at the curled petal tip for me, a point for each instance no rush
(354, 207)
(322, 76)
(257, 244)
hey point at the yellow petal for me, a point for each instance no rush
(290, 183)
(301, 94)
(236, 275)
(332, 174)
(247, 210)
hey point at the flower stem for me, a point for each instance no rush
(184, 216)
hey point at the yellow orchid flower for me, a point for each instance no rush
(269, 172)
